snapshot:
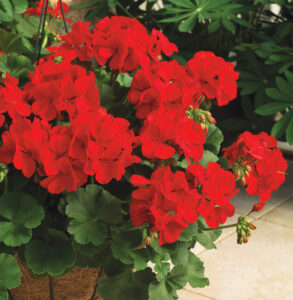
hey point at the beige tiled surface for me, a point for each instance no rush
(282, 215)
(186, 295)
(261, 269)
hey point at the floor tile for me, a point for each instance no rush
(282, 215)
(186, 295)
(259, 270)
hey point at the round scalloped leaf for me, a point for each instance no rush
(53, 259)
(22, 213)
(9, 273)
(89, 208)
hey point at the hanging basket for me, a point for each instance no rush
(78, 284)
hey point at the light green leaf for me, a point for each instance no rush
(187, 24)
(9, 273)
(15, 64)
(6, 11)
(208, 156)
(214, 139)
(195, 272)
(20, 6)
(22, 214)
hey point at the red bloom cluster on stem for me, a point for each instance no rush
(94, 143)
(263, 163)
(170, 201)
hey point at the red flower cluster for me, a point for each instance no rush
(169, 201)
(58, 89)
(213, 77)
(264, 165)
(125, 44)
(94, 143)
(121, 43)
(53, 12)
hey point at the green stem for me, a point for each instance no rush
(124, 9)
(221, 227)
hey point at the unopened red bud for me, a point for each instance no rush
(243, 182)
(258, 206)
(251, 226)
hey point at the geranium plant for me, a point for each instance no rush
(110, 157)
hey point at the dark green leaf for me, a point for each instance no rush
(89, 208)
(228, 25)
(270, 108)
(289, 132)
(52, 258)
(126, 286)
(277, 95)
(281, 125)
(214, 26)
(22, 213)
(183, 3)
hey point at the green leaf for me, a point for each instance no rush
(112, 3)
(6, 13)
(124, 79)
(16, 65)
(9, 274)
(53, 257)
(175, 18)
(22, 214)
(281, 125)
(124, 248)
(195, 272)
(228, 25)
(207, 238)
(214, 26)
(289, 132)
(187, 24)
(161, 291)
(89, 208)
(180, 254)
(277, 95)
(271, 108)
(183, 3)
(126, 286)
(20, 6)
(214, 139)
(27, 26)
(283, 86)
(208, 156)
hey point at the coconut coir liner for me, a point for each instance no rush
(78, 284)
